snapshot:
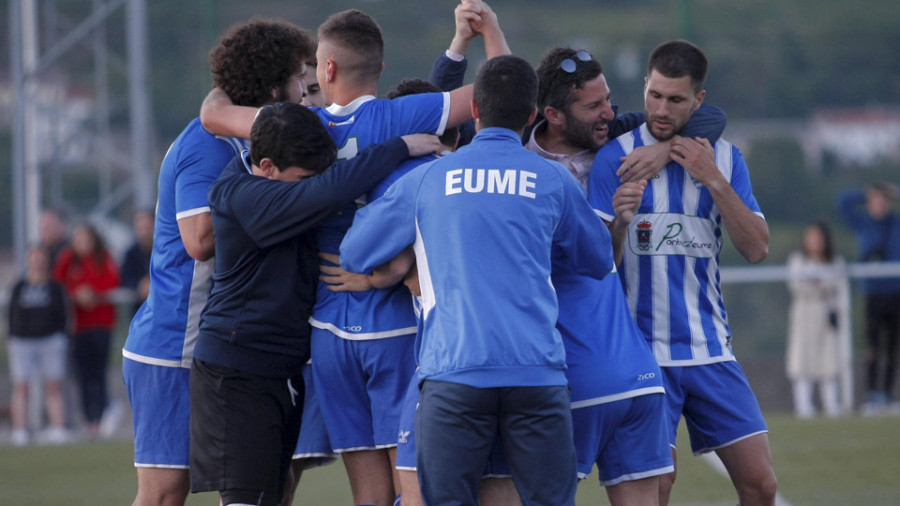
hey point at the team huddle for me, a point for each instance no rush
(471, 294)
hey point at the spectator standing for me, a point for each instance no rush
(37, 346)
(878, 232)
(136, 266)
(816, 283)
(88, 273)
(53, 231)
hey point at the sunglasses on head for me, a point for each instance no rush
(569, 65)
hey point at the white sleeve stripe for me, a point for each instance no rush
(425, 283)
(445, 115)
(192, 212)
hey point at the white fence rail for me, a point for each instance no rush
(781, 274)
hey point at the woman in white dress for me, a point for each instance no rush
(817, 278)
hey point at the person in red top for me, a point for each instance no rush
(88, 273)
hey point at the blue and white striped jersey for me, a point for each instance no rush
(671, 256)
(164, 329)
(373, 314)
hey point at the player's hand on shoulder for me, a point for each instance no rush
(643, 163)
(698, 157)
(422, 144)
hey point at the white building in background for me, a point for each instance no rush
(858, 137)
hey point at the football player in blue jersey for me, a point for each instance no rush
(491, 363)
(256, 63)
(668, 232)
(246, 375)
(362, 342)
(611, 367)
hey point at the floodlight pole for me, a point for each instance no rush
(25, 171)
(139, 98)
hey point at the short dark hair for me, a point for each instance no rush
(556, 87)
(415, 86)
(255, 57)
(679, 58)
(505, 92)
(291, 135)
(358, 32)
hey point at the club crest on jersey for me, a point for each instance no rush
(644, 233)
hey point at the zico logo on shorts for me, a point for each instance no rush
(673, 234)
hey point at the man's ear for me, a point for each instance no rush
(700, 97)
(268, 168)
(554, 116)
(330, 70)
(475, 116)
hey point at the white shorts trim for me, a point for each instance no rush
(637, 476)
(618, 397)
(729, 443)
(154, 361)
(365, 336)
(159, 466)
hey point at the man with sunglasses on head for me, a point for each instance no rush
(617, 392)
(616, 383)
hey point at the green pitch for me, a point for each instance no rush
(823, 462)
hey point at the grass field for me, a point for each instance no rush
(848, 461)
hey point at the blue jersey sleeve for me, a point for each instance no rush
(199, 163)
(603, 181)
(708, 122)
(740, 180)
(422, 113)
(581, 235)
(382, 229)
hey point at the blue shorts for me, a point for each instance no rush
(406, 438)
(456, 426)
(361, 386)
(718, 405)
(161, 408)
(628, 439)
(313, 443)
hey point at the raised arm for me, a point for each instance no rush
(460, 106)
(488, 26)
(220, 116)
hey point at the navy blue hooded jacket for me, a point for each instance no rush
(266, 263)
